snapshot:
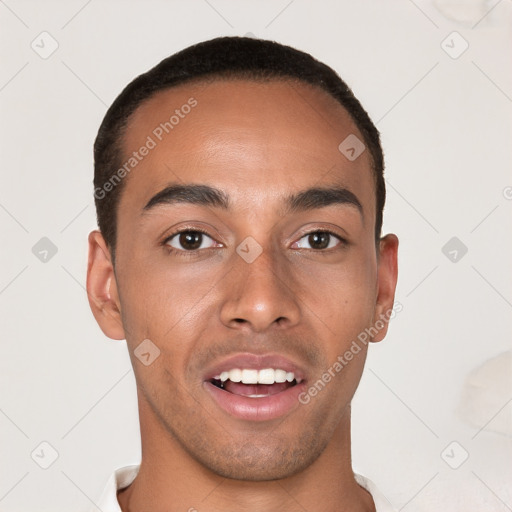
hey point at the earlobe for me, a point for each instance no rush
(102, 288)
(387, 275)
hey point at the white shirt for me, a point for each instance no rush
(123, 477)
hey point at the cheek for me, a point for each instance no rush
(162, 301)
(341, 296)
(166, 308)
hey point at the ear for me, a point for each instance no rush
(387, 275)
(102, 288)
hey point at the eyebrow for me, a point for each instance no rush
(206, 195)
(320, 197)
(203, 195)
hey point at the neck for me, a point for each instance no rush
(171, 480)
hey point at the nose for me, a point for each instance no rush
(260, 295)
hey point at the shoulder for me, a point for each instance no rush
(381, 502)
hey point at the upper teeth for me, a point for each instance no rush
(265, 376)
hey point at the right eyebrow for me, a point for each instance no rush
(204, 195)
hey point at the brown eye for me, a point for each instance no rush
(190, 241)
(318, 240)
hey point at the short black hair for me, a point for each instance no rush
(219, 58)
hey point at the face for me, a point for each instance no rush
(245, 243)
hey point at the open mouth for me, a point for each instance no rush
(251, 394)
(255, 383)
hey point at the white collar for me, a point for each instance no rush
(124, 476)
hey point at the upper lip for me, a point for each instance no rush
(249, 361)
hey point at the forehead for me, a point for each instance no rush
(253, 138)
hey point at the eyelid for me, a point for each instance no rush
(322, 228)
(189, 225)
(342, 241)
(187, 229)
(184, 230)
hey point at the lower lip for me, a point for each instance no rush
(257, 409)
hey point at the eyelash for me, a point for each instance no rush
(172, 250)
(184, 253)
(324, 252)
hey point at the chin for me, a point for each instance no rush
(266, 461)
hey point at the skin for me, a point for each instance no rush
(258, 143)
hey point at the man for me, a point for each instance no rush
(239, 190)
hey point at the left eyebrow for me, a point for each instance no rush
(320, 197)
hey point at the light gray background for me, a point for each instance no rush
(446, 126)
